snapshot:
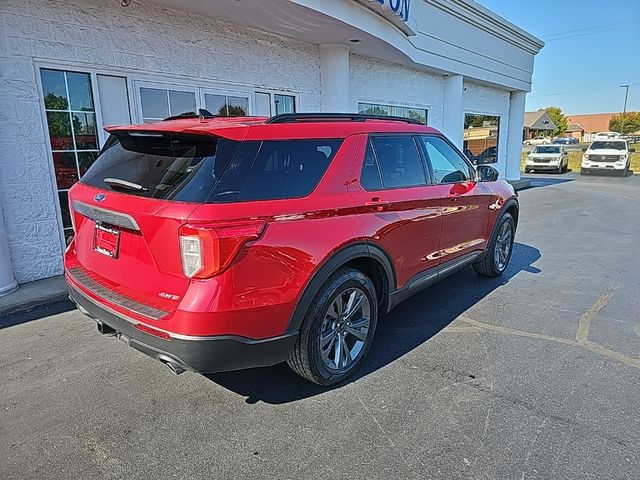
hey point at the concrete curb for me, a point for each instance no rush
(32, 295)
(520, 184)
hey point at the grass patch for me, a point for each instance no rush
(575, 159)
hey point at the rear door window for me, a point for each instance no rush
(392, 162)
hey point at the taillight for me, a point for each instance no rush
(208, 250)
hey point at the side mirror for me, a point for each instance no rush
(486, 173)
(632, 150)
(584, 149)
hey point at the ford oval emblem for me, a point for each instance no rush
(99, 197)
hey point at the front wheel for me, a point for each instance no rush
(337, 330)
(499, 250)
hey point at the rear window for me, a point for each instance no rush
(193, 168)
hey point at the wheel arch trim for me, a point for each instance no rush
(331, 264)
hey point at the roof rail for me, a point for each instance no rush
(202, 114)
(336, 117)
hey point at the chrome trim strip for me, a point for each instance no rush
(107, 216)
(458, 262)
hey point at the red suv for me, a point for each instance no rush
(216, 244)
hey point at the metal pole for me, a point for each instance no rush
(624, 110)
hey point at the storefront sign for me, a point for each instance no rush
(395, 11)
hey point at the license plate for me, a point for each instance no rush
(106, 241)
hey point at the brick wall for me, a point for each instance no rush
(140, 38)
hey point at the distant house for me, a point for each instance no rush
(537, 124)
(591, 124)
(575, 130)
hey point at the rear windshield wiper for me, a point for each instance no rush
(119, 183)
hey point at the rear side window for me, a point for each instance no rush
(392, 162)
(210, 169)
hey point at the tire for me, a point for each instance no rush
(316, 362)
(625, 172)
(584, 171)
(492, 265)
(526, 170)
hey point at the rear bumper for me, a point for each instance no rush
(198, 354)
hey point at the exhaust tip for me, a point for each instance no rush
(175, 369)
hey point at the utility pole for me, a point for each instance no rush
(624, 110)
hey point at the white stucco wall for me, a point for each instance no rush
(138, 39)
(485, 100)
(387, 83)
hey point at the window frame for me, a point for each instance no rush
(423, 148)
(427, 172)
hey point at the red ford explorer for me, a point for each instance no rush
(215, 244)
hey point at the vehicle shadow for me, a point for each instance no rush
(404, 329)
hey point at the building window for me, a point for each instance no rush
(419, 114)
(158, 104)
(226, 105)
(284, 104)
(481, 138)
(268, 104)
(71, 121)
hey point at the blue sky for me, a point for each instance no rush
(591, 48)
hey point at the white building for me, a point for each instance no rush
(68, 68)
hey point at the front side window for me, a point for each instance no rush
(481, 138)
(71, 122)
(447, 164)
(397, 161)
(414, 113)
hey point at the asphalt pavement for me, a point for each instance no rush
(535, 375)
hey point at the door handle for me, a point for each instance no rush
(377, 203)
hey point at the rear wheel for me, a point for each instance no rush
(338, 329)
(499, 250)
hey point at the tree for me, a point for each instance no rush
(625, 122)
(559, 120)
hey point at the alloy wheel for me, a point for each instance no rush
(503, 246)
(345, 329)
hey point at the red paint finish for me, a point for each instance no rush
(254, 290)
